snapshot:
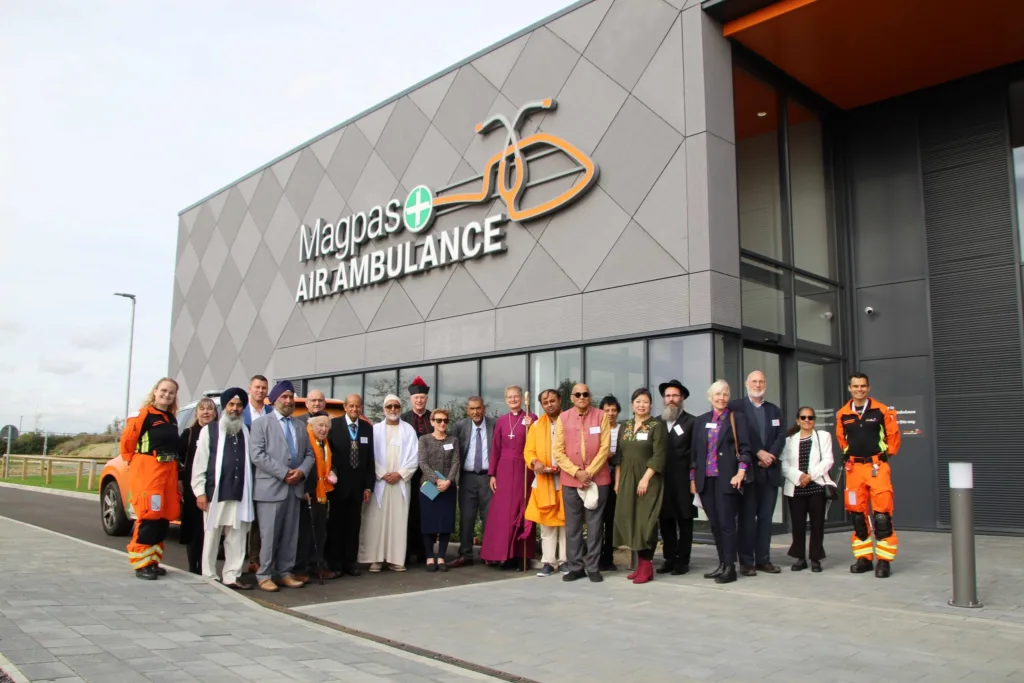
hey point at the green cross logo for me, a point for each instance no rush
(419, 209)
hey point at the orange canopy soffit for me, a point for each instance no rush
(855, 52)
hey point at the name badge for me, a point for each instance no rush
(678, 430)
(642, 436)
(363, 439)
(711, 425)
(449, 446)
(595, 430)
(776, 423)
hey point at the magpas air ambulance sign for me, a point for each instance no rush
(345, 240)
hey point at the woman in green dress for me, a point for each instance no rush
(638, 484)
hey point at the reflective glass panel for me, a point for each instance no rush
(813, 241)
(456, 382)
(816, 317)
(765, 294)
(1017, 143)
(687, 359)
(756, 112)
(495, 375)
(559, 370)
(615, 369)
(378, 385)
(323, 384)
(347, 384)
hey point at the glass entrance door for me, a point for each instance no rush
(820, 386)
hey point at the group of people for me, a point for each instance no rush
(316, 496)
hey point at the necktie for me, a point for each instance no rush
(291, 443)
(478, 452)
(353, 451)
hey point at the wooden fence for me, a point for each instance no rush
(48, 466)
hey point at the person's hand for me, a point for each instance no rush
(332, 477)
(366, 496)
(737, 481)
(616, 487)
(494, 484)
(444, 485)
(202, 503)
(805, 479)
(641, 488)
(693, 488)
(766, 459)
(527, 420)
(583, 477)
(538, 468)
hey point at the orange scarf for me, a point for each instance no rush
(323, 466)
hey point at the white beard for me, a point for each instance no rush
(231, 425)
(670, 413)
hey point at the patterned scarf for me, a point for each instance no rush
(323, 466)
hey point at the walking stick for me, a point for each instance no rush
(316, 550)
(526, 474)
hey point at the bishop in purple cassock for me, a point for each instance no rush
(510, 482)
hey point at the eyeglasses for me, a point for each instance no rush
(441, 420)
(393, 406)
(806, 418)
(581, 394)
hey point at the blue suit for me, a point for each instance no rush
(755, 532)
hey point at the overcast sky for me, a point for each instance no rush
(115, 115)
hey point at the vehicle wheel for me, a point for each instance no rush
(115, 521)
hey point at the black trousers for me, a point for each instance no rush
(677, 540)
(414, 534)
(474, 498)
(800, 507)
(755, 531)
(721, 508)
(309, 556)
(343, 523)
(608, 525)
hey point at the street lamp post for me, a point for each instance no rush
(131, 342)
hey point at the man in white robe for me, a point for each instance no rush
(223, 487)
(385, 521)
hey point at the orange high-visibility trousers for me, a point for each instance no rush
(870, 503)
(153, 491)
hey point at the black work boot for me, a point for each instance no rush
(882, 569)
(861, 566)
(160, 571)
(728, 574)
(147, 573)
(715, 574)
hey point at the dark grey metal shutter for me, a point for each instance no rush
(975, 309)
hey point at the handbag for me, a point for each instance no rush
(831, 491)
(748, 474)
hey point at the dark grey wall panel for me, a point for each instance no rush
(905, 384)
(885, 195)
(899, 325)
(976, 311)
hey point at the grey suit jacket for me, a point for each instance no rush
(269, 454)
(462, 432)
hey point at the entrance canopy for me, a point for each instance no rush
(855, 52)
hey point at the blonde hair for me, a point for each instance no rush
(151, 396)
(514, 387)
(440, 411)
(717, 386)
(205, 401)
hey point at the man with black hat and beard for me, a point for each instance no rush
(222, 483)
(677, 509)
(419, 418)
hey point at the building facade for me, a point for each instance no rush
(656, 191)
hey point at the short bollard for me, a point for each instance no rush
(961, 517)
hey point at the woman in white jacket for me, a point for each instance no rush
(806, 461)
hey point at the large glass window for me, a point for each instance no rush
(495, 375)
(323, 384)
(757, 166)
(559, 369)
(615, 369)
(687, 359)
(816, 304)
(378, 385)
(812, 236)
(405, 378)
(456, 382)
(347, 384)
(1017, 142)
(765, 294)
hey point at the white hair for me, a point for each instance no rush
(315, 420)
(717, 386)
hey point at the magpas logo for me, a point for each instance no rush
(505, 175)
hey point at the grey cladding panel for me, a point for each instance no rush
(628, 37)
(976, 312)
(898, 326)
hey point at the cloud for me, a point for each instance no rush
(99, 339)
(8, 327)
(62, 366)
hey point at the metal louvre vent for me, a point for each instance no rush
(975, 311)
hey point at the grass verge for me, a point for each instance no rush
(63, 482)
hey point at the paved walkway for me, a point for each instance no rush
(791, 628)
(72, 612)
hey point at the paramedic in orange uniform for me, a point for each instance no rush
(149, 444)
(869, 435)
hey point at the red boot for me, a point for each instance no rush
(645, 571)
(632, 575)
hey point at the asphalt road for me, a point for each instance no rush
(81, 519)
